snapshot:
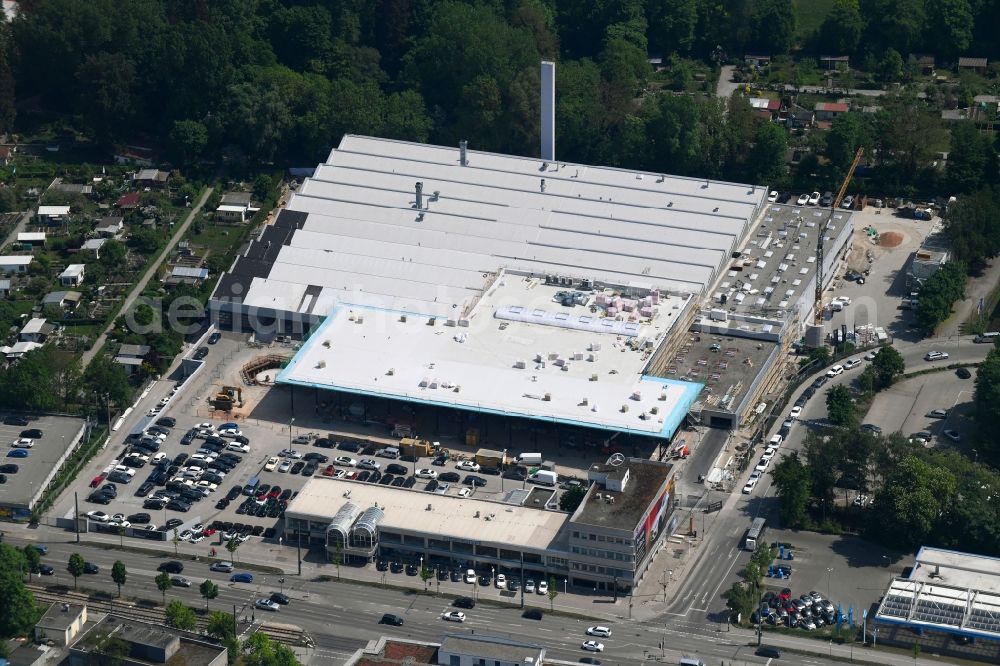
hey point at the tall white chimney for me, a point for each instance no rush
(548, 111)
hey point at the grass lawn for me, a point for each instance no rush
(218, 238)
(810, 15)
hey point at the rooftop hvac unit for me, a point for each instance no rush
(391, 372)
(553, 356)
(321, 364)
(520, 364)
(599, 496)
(624, 408)
(577, 356)
(429, 507)
(654, 409)
(360, 319)
(547, 397)
(663, 396)
(402, 318)
(637, 395)
(594, 408)
(593, 377)
(565, 367)
(594, 346)
(458, 388)
(585, 401)
(593, 357)
(611, 500)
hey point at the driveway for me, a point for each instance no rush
(726, 86)
(140, 286)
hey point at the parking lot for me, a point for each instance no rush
(907, 406)
(24, 471)
(282, 456)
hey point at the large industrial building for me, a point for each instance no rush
(611, 537)
(575, 295)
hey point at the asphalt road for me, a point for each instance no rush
(341, 617)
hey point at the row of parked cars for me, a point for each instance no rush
(808, 611)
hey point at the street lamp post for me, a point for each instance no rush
(290, 424)
(829, 571)
(565, 584)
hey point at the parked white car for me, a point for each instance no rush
(271, 464)
(347, 461)
(468, 466)
(426, 474)
(835, 370)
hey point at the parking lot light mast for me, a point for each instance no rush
(290, 424)
(829, 571)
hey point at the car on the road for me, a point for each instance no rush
(267, 604)
(852, 363)
(91, 568)
(870, 356)
(453, 616)
(201, 353)
(593, 661)
(599, 630)
(938, 414)
(935, 356)
(215, 337)
(223, 567)
(802, 200)
(952, 435)
(389, 618)
(468, 466)
(241, 577)
(592, 646)
(171, 566)
(46, 569)
(768, 651)
(464, 602)
(963, 373)
(814, 198)
(835, 370)
(280, 598)
(180, 581)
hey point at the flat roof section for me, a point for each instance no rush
(725, 364)
(937, 566)
(361, 238)
(562, 369)
(626, 507)
(415, 511)
(779, 260)
(23, 487)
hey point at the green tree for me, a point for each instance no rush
(232, 546)
(741, 600)
(188, 140)
(938, 293)
(18, 612)
(260, 650)
(263, 185)
(840, 406)
(841, 31)
(119, 575)
(987, 405)
(673, 25)
(176, 539)
(846, 135)
(75, 567)
(792, 481)
(337, 558)
(893, 23)
(767, 157)
(907, 507)
(570, 499)
(972, 159)
(890, 67)
(887, 366)
(972, 225)
(772, 25)
(180, 616)
(113, 255)
(553, 592)
(105, 377)
(221, 626)
(32, 559)
(163, 583)
(209, 590)
(949, 26)
(426, 573)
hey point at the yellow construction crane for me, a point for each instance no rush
(818, 306)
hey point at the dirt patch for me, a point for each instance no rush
(890, 239)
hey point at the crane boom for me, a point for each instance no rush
(818, 305)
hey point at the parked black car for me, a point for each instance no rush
(33, 433)
(201, 353)
(179, 505)
(15, 420)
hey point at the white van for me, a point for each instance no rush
(775, 440)
(530, 459)
(691, 661)
(989, 336)
(544, 478)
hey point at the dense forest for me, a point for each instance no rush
(282, 80)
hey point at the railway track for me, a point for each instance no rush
(286, 634)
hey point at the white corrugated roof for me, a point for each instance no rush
(364, 236)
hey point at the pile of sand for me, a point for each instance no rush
(890, 239)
